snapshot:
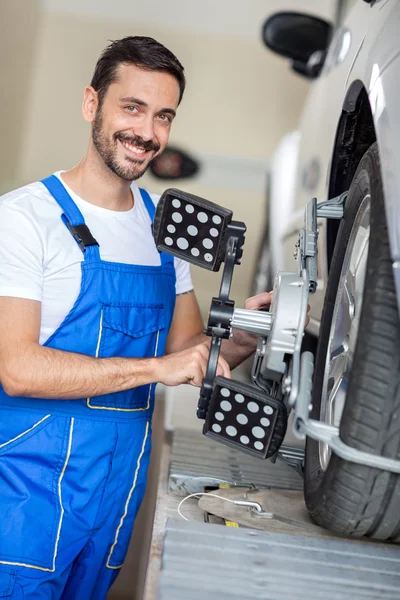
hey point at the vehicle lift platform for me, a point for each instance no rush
(231, 551)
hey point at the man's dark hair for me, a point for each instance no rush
(143, 52)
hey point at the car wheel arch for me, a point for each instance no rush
(355, 133)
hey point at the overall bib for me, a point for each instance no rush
(73, 472)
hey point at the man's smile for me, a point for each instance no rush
(136, 151)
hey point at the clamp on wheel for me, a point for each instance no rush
(253, 417)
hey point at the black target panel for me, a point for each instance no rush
(245, 418)
(191, 228)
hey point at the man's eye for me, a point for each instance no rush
(132, 108)
(165, 118)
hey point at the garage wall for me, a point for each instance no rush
(19, 23)
(240, 100)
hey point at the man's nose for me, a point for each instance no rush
(145, 129)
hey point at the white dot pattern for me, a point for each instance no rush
(225, 405)
(217, 428)
(242, 419)
(219, 416)
(192, 230)
(182, 243)
(268, 410)
(258, 446)
(195, 252)
(208, 257)
(225, 392)
(214, 232)
(252, 407)
(171, 228)
(244, 439)
(176, 203)
(169, 241)
(189, 209)
(239, 398)
(258, 432)
(216, 219)
(177, 217)
(207, 243)
(202, 217)
(232, 431)
(265, 422)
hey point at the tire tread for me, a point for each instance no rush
(355, 499)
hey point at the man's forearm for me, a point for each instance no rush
(41, 372)
(238, 348)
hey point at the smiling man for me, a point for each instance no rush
(91, 318)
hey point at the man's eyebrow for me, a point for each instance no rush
(168, 111)
(132, 100)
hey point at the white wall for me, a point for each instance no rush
(240, 98)
(19, 22)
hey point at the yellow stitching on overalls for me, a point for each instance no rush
(110, 407)
(71, 429)
(100, 334)
(24, 432)
(18, 564)
(127, 501)
(97, 348)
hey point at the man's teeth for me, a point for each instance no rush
(134, 149)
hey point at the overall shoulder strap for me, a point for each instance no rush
(71, 216)
(166, 259)
(148, 202)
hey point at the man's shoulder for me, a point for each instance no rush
(24, 195)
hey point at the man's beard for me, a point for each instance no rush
(108, 150)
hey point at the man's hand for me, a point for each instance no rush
(259, 302)
(263, 301)
(243, 343)
(188, 366)
(244, 338)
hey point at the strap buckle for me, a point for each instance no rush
(82, 235)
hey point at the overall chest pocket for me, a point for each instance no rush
(131, 331)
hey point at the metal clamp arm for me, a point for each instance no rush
(221, 312)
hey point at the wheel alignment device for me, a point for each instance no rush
(253, 417)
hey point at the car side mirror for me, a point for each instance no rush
(304, 39)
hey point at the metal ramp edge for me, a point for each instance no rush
(201, 560)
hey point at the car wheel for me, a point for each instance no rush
(357, 371)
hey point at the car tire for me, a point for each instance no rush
(349, 498)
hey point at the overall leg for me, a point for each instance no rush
(103, 557)
(51, 487)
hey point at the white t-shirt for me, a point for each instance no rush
(40, 260)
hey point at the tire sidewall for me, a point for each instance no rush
(316, 480)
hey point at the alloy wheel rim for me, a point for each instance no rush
(345, 324)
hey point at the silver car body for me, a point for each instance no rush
(363, 55)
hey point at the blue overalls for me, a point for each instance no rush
(73, 472)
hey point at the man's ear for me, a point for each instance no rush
(90, 104)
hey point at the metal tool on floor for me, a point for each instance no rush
(253, 417)
(268, 510)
